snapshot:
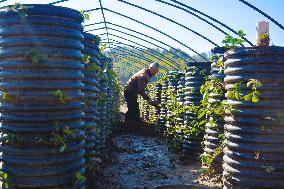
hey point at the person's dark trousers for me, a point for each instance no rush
(133, 112)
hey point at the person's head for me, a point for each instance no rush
(154, 68)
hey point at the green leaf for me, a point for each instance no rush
(237, 85)
(255, 96)
(247, 97)
(237, 95)
(241, 33)
(201, 113)
(231, 94)
(79, 176)
(211, 121)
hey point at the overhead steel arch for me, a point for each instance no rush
(263, 13)
(126, 28)
(138, 48)
(117, 46)
(141, 40)
(178, 5)
(138, 55)
(173, 21)
(157, 30)
(130, 41)
(146, 49)
(206, 21)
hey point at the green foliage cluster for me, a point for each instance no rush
(18, 8)
(213, 106)
(61, 96)
(233, 42)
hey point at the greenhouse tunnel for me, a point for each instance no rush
(218, 120)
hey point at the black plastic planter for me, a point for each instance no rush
(212, 139)
(194, 78)
(41, 100)
(163, 112)
(180, 99)
(254, 153)
(91, 92)
(172, 91)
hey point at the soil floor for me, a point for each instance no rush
(138, 159)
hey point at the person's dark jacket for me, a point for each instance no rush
(138, 83)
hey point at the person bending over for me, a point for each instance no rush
(137, 85)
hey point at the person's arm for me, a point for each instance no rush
(142, 84)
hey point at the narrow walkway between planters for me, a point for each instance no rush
(144, 162)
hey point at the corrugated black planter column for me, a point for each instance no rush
(212, 139)
(157, 92)
(163, 113)
(194, 78)
(254, 153)
(102, 104)
(172, 91)
(180, 99)
(42, 131)
(91, 51)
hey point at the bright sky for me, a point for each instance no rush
(231, 12)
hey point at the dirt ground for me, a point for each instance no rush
(142, 160)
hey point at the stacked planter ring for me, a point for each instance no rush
(163, 112)
(41, 105)
(157, 92)
(102, 109)
(194, 78)
(172, 87)
(109, 94)
(151, 108)
(254, 132)
(180, 98)
(90, 98)
(211, 139)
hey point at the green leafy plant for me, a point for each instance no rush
(102, 48)
(20, 9)
(268, 168)
(85, 15)
(62, 98)
(4, 177)
(252, 95)
(87, 59)
(263, 40)
(231, 42)
(35, 55)
(7, 97)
